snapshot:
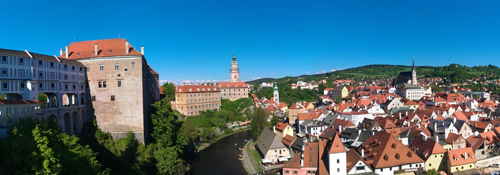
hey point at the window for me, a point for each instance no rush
(73, 68)
(360, 168)
(40, 74)
(101, 67)
(21, 85)
(4, 58)
(40, 62)
(65, 67)
(74, 87)
(117, 66)
(132, 65)
(112, 98)
(51, 64)
(5, 85)
(52, 85)
(119, 83)
(4, 72)
(66, 87)
(338, 170)
(93, 98)
(102, 84)
(286, 172)
(88, 68)
(294, 171)
(21, 60)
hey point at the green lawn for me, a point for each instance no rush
(254, 156)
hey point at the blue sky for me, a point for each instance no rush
(195, 40)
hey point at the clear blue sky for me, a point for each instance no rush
(195, 40)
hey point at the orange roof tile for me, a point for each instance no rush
(231, 85)
(383, 150)
(281, 126)
(337, 146)
(195, 89)
(106, 48)
(461, 156)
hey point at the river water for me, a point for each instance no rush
(221, 157)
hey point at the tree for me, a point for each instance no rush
(338, 100)
(43, 99)
(169, 91)
(190, 130)
(274, 120)
(35, 146)
(3, 97)
(321, 88)
(259, 121)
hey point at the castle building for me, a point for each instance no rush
(24, 75)
(407, 78)
(234, 89)
(122, 85)
(234, 71)
(192, 99)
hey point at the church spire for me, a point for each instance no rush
(234, 56)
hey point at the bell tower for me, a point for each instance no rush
(234, 72)
(413, 74)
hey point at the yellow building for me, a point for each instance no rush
(340, 91)
(282, 129)
(192, 99)
(296, 108)
(461, 159)
(432, 153)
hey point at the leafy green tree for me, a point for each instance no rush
(321, 88)
(190, 129)
(3, 97)
(36, 146)
(169, 91)
(338, 100)
(274, 121)
(259, 121)
(43, 99)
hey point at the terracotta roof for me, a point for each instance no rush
(16, 102)
(460, 116)
(490, 136)
(195, 89)
(337, 146)
(451, 138)
(426, 148)
(294, 162)
(231, 85)
(281, 126)
(383, 150)
(475, 142)
(152, 71)
(461, 156)
(106, 48)
(288, 140)
(311, 154)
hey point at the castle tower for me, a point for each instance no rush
(234, 72)
(276, 93)
(337, 157)
(413, 74)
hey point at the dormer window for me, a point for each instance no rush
(393, 145)
(409, 154)
(397, 156)
(386, 157)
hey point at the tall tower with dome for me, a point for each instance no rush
(234, 72)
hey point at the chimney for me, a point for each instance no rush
(142, 50)
(67, 52)
(363, 153)
(435, 127)
(60, 52)
(399, 115)
(126, 47)
(436, 137)
(340, 128)
(455, 120)
(465, 156)
(95, 49)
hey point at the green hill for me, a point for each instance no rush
(452, 72)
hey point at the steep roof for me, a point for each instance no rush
(106, 48)
(294, 162)
(427, 148)
(311, 154)
(337, 146)
(475, 142)
(288, 140)
(268, 140)
(461, 156)
(281, 126)
(383, 150)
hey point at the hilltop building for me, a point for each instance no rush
(122, 85)
(276, 93)
(407, 86)
(234, 89)
(234, 71)
(192, 99)
(24, 75)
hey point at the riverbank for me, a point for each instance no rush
(251, 158)
(217, 138)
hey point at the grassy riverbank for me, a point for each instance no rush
(253, 155)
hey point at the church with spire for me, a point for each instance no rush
(406, 85)
(234, 89)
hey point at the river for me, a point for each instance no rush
(221, 157)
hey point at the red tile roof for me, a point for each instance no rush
(461, 156)
(195, 89)
(337, 146)
(106, 48)
(231, 85)
(383, 150)
(281, 126)
(311, 155)
(288, 140)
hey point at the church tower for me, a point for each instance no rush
(413, 74)
(234, 72)
(276, 93)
